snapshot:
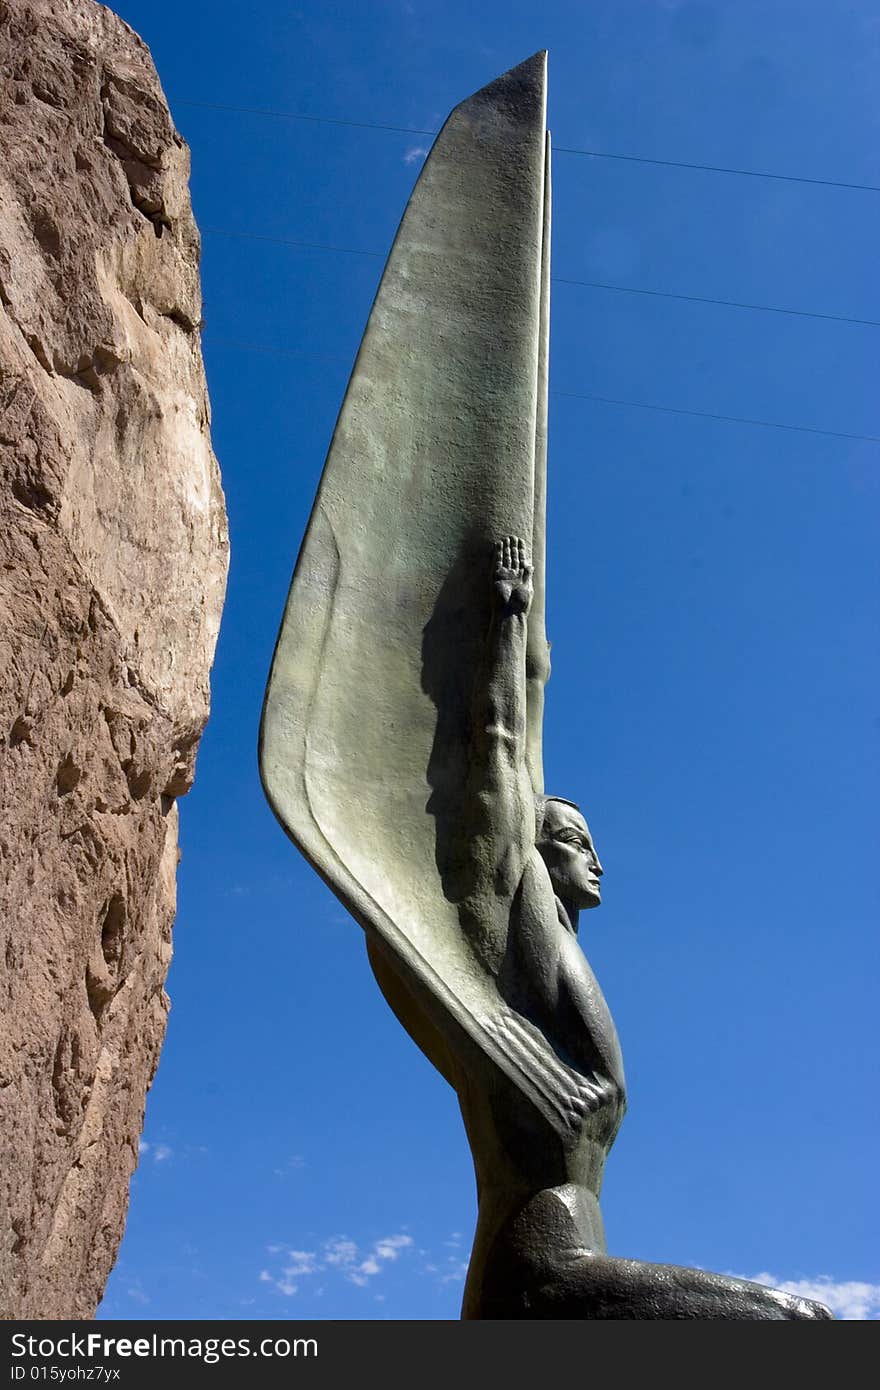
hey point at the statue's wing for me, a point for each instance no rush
(364, 740)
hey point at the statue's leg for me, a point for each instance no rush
(537, 1269)
(522, 1255)
(537, 1204)
(539, 1249)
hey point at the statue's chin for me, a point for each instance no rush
(578, 894)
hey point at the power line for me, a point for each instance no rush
(239, 345)
(559, 149)
(289, 241)
(298, 116)
(720, 169)
(708, 415)
(727, 303)
(562, 280)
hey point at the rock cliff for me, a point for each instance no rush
(113, 556)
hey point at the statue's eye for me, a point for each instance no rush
(571, 837)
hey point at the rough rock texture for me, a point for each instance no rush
(113, 555)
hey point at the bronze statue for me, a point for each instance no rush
(539, 1250)
(401, 734)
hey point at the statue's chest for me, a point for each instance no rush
(583, 1009)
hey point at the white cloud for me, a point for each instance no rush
(456, 1272)
(415, 153)
(339, 1254)
(340, 1251)
(290, 1165)
(850, 1299)
(390, 1247)
(159, 1151)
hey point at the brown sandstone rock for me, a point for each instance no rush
(113, 555)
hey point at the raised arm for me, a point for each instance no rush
(501, 807)
(502, 718)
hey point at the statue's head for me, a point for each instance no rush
(566, 846)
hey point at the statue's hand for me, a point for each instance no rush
(512, 575)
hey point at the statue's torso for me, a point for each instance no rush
(551, 990)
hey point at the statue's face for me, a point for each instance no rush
(566, 847)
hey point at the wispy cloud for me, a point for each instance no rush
(414, 154)
(391, 1246)
(253, 888)
(447, 1269)
(333, 1263)
(289, 1166)
(455, 1271)
(158, 1152)
(340, 1251)
(340, 1256)
(850, 1299)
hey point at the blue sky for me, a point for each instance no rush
(712, 601)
